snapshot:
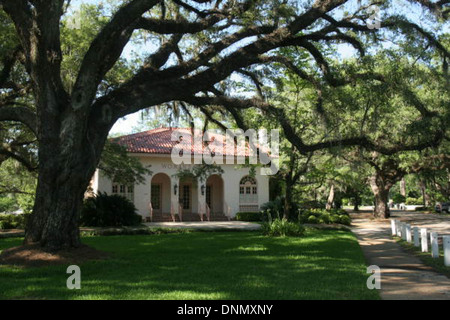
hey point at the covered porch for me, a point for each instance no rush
(181, 200)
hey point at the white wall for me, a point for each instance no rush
(159, 163)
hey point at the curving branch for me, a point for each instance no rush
(20, 114)
(297, 141)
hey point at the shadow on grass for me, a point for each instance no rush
(244, 265)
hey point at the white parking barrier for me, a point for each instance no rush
(408, 233)
(446, 243)
(404, 231)
(416, 237)
(393, 227)
(434, 245)
(399, 228)
(424, 239)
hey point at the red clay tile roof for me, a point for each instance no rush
(158, 141)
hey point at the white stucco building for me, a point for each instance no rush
(163, 196)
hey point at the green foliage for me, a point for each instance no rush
(7, 204)
(105, 210)
(414, 201)
(78, 31)
(345, 220)
(274, 208)
(249, 216)
(398, 198)
(322, 216)
(18, 183)
(120, 167)
(282, 228)
(312, 219)
(13, 221)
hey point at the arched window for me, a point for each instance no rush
(248, 194)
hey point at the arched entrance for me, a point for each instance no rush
(214, 194)
(160, 193)
(187, 195)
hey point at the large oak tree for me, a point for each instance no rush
(202, 44)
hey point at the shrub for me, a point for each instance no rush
(249, 216)
(313, 204)
(282, 228)
(7, 204)
(345, 219)
(339, 212)
(275, 208)
(322, 216)
(105, 210)
(312, 220)
(398, 198)
(334, 218)
(413, 201)
(11, 221)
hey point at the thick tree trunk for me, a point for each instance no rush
(381, 209)
(357, 199)
(425, 196)
(403, 187)
(330, 199)
(380, 189)
(66, 165)
(59, 197)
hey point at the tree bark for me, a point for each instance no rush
(380, 189)
(426, 197)
(403, 187)
(330, 199)
(381, 209)
(357, 200)
(66, 166)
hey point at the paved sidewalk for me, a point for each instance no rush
(403, 276)
(213, 225)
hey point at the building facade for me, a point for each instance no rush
(164, 196)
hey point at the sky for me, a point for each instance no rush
(126, 125)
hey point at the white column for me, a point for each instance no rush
(201, 197)
(416, 237)
(393, 227)
(399, 228)
(424, 238)
(174, 197)
(446, 243)
(408, 233)
(434, 245)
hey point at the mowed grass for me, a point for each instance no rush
(204, 265)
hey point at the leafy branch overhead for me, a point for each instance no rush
(120, 167)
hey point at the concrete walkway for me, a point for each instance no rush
(213, 225)
(403, 276)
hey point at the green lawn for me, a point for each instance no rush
(204, 265)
